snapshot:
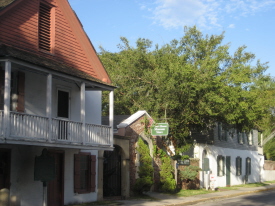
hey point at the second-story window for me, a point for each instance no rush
(250, 138)
(45, 26)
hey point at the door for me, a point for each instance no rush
(63, 107)
(112, 173)
(5, 162)
(55, 187)
(228, 171)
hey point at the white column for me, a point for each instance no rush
(49, 105)
(82, 111)
(111, 115)
(7, 98)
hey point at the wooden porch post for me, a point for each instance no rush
(82, 111)
(7, 98)
(111, 115)
(49, 105)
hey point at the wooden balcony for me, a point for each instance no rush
(21, 128)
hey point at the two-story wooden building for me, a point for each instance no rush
(51, 84)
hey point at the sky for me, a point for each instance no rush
(245, 22)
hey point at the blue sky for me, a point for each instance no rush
(245, 22)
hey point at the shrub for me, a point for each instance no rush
(145, 180)
(167, 175)
(190, 172)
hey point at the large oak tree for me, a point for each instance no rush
(192, 82)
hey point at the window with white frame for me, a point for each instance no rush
(238, 166)
(248, 166)
(220, 165)
(250, 138)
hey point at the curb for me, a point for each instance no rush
(219, 197)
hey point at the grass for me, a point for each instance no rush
(270, 182)
(109, 203)
(257, 184)
(188, 193)
(181, 193)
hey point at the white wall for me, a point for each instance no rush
(93, 100)
(69, 196)
(27, 192)
(214, 151)
(35, 94)
(35, 98)
(268, 175)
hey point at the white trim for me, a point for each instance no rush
(7, 98)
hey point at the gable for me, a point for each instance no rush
(69, 43)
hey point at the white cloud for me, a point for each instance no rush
(231, 26)
(204, 13)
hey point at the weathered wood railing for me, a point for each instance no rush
(35, 127)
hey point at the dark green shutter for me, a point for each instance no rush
(223, 164)
(240, 166)
(218, 166)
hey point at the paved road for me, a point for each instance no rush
(260, 199)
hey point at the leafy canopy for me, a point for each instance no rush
(195, 81)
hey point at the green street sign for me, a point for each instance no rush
(160, 129)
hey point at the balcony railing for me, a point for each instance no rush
(31, 127)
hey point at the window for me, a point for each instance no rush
(241, 137)
(248, 166)
(84, 173)
(238, 166)
(222, 132)
(220, 165)
(45, 25)
(250, 138)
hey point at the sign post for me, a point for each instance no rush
(160, 129)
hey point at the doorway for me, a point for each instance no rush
(112, 173)
(5, 163)
(56, 186)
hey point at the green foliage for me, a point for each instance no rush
(180, 157)
(190, 172)
(167, 179)
(194, 80)
(145, 180)
(269, 150)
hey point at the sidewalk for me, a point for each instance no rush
(169, 200)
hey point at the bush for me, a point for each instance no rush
(190, 172)
(167, 179)
(145, 180)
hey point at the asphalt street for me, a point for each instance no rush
(266, 198)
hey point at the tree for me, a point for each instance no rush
(195, 81)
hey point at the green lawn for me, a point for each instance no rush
(187, 193)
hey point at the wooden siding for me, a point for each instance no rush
(19, 28)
